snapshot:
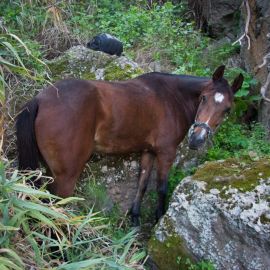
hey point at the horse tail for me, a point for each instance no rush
(28, 152)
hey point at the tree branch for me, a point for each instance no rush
(263, 63)
(245, 34)
(264, 88)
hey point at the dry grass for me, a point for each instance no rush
(55, 35)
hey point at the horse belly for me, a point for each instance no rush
(118, 145)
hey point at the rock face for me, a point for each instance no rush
(221, 214)
(259, 33)
(227, 18)
(217, 17)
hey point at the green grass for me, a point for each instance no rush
(34, 232)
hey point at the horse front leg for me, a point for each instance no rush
(146, 168)
(164, 162)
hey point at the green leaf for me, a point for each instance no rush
(82, 264)
(12, 254)
(9, 264)
(30, 205)
(37, 215)
(20, 41)
(241, 93)
(32, 242)
(31, 191)
(138, 257)
(7, 228)
(255, 98)
(126, 250)
(69, 199)
(14, 52)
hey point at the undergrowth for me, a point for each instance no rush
(238, 140)
(38, 229)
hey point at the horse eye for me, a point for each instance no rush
(227, 111)
(204, 98)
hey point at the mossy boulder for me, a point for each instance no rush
(220, 214)
(81, 62)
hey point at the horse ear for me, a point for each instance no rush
(237, 83)
(218, 74)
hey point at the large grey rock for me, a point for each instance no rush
(81, 62)
(221, 214)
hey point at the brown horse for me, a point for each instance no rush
(65, 123)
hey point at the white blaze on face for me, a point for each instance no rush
(218, 97)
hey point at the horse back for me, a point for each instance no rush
(120, 117)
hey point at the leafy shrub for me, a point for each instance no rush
(235, 140)
(202, 265)
(243, 97)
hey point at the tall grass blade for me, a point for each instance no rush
(34, 206)
(13, 255)
(68, 200)
(9, 264)
(82, 264)
(14, 52)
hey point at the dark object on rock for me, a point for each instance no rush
(106, 43)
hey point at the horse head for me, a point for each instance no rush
(216, 100)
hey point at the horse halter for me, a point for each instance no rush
(203, 125)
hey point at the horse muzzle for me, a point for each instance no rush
(198, 133)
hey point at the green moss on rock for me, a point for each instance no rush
(243, 174)
(88, 76)
(169, 254)
(114, 72)
(58, 68)
(265, 219)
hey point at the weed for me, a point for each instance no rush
(236, 140)
(32, 229)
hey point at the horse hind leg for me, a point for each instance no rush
(66, 162)
(146, 168)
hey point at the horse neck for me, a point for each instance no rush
(189, 91)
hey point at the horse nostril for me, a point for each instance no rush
(196, 141)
